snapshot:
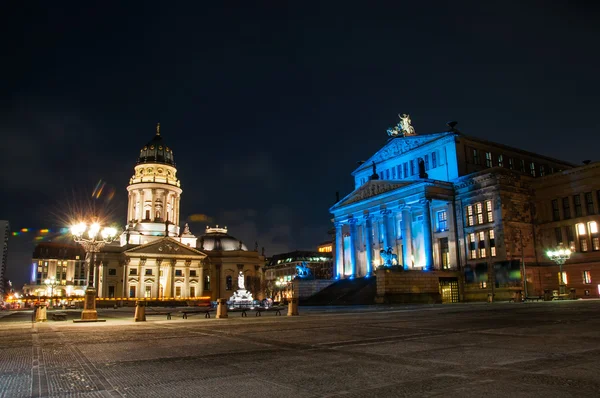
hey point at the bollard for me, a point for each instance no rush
(293, 307)
(221, 308)
(140, 312)
(41, 314)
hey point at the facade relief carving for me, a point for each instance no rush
(369, 190)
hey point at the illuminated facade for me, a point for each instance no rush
(444, 203)
(61, 262)
(154, 259)
(282, 269)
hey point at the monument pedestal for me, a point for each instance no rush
(40, 314)
(140, 312)
(221, 308)
(89, 312)
(293, 307)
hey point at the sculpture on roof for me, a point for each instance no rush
(403, 128)
(302, 270)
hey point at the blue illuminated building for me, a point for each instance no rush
(437, 202)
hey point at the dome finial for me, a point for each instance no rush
(157, 128)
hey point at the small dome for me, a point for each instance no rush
(217, 239)
(156, 151)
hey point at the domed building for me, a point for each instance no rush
(154, 259)
(228, 256)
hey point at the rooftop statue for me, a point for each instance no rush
(403, 128)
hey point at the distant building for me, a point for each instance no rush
(282, 269)
(4, 234)
(455, 217)
(325, 247)
(62, 262)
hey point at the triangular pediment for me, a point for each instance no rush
(165, 247)
(370, 189)
(399, 145)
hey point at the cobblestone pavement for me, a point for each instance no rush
(549, 349)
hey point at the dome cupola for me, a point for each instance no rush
(217, 239)
(156, 151)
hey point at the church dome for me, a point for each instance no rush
(156, 151)
(217, 239)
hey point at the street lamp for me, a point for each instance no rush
(51, 283)
(560, 256)
(92, 238)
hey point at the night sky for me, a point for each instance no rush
(268, 106)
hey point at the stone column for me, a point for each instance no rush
(130, 202)
(339, 251)
(176, 211)
(156, 289)
(201, 279)
(427, 234)
(142, 214)
(368, 232)
(353, 246)
(388, 226)
(406, 237)
(186, 281)
(172, 282)
(141, 284)
(153, 205)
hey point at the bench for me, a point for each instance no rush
(534, 298)
(59, 316)
(167, 313)
(565, 296)
(205, 311)
(277, 310)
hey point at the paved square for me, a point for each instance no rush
(549, 349)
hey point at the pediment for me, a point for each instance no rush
(370, 189)
(165, 247)
(398, 146)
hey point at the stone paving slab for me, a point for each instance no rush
(527, 350)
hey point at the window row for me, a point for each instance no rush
(500, 160)
(409, 168)
(479, 213)
(148, 272)
(578, 205)
(586, 233)
(586, 277)
(477, 246)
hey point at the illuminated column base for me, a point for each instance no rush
(140, 312)
(293, 307)
(562, 289)
(89, 312)
(221, 308)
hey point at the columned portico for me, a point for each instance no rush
(339, 250)
(407, 237)
(368, 236)
(353, 246)
(427, 234)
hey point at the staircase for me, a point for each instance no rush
(358, 291)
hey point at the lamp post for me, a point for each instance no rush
(560, 256)
(92, 238)
(51, 283)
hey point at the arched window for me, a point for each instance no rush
(228, 282)
(207, 282)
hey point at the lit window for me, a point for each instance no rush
(481, 236)
(587, 277)
(433, 160)
(472, 249)
(479, 212)
(593, 227)
(488, 209)
(542, 170)
(488, 159)
(442, 220)
(500, 161)
(581, 229)
(492, 237)
(511, 163)
(469, 216)
(475, 156)
(562, 278)
(532, 169)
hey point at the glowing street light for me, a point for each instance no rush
(51, 282)
(560, 256)
(92, 238)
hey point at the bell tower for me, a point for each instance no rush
(154, 195)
